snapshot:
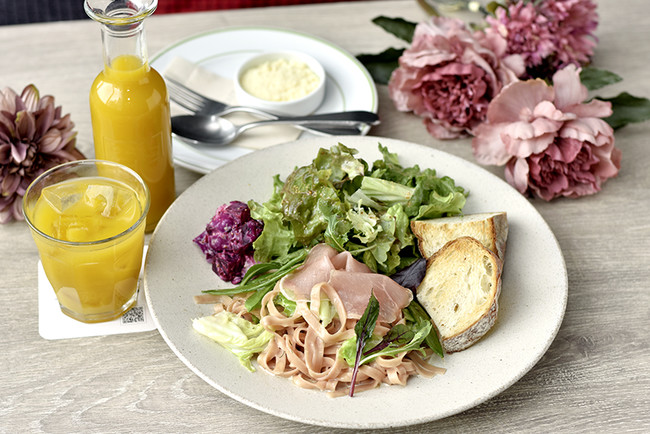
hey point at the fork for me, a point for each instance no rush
(199, 104)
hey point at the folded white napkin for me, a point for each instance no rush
(222, 89)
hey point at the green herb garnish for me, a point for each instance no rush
(261, 278)
(363, 331)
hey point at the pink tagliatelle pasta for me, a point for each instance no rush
(305, 349)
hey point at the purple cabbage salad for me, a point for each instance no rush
(227, 241)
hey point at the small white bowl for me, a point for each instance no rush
(296, 107)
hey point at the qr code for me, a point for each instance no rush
(134, 315)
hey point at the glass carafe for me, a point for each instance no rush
(129, 105)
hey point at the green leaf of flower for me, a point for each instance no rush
(381, 65)
(428, 8)
(627, 109)
(595, 78)
(397, 26)
(491, 7)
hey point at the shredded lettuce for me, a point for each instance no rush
(241, 337)
(386, 192)
(277, 239)
(326, 312)
(364, 221)
(285, 299)
(288, 305)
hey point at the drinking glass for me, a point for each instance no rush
(88, 220)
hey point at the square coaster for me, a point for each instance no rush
(54, 324)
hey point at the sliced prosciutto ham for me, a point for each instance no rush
(351, 279)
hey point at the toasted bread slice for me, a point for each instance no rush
(460, 292)
(491, 229)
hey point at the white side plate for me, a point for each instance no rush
(349, 86)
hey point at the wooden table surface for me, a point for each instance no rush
(595, 377)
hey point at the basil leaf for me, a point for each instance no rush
(363, 330)
(366, 324)
(258, 270)
(595, 78)
(401, 338)
(397, 337)
(411, 276)
(296, 260)
(627, 109)
(420, 316)
(264, 283)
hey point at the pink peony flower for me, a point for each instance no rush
(549, 34)
(33, 138)
(552, 143)
(448, 76)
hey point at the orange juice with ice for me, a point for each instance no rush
(92, 248)
(132, 126)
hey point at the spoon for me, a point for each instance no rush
(219, 131)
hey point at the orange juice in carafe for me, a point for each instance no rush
(131, 125)
(129, 105)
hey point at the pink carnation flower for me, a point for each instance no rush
(552, 143)
(550, 34)
(526, 31)
(448, 76)
(573, 23)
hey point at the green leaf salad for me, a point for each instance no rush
(340, 200)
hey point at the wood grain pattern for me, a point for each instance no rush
(594, 377)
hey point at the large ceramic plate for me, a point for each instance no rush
(349, 86)
(532, 303)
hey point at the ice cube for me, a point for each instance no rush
(101, 198)
(77, 231)
(129, 206)
(60, 196)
